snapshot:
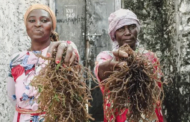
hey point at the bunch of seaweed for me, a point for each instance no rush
(134, 86)
(63, 93)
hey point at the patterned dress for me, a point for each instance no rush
(23, 67)
(108, 55)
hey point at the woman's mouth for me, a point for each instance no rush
(37, 31)
(129, 41)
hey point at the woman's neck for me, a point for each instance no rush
(39, 46)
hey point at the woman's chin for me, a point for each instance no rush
(40, 39)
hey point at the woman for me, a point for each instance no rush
(123, 29)
(40, 24)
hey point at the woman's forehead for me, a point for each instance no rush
(39, 12)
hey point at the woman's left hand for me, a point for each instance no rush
(72, 56)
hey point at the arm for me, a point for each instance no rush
(11, 84)
(105, 62)
(11, 90)
(105, 67)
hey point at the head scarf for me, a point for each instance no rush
(119, 19)
(44, 7)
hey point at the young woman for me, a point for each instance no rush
(40, 24)
(123, 29)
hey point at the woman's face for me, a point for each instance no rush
(39, 25)
(127, 35)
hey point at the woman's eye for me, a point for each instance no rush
(132, 26)
(32, 20)
(44, 20)
(121, 29)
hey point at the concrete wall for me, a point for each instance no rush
(77, 19)
(13, 38)
(71, 22)
(165, 30)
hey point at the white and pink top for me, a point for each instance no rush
(108, 55)
(23, 67)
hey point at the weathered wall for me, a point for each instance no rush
(181, 86)
(13, 38)
(165, 30)
(71, 22)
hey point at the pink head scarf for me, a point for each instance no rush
(121, 18)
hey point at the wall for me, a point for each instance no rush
(165, 30)
(13, 38)
(71, 22)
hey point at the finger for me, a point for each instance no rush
(122, 64)
(120, 53)
(68, 54)
(52, 47)
(60, 51)
(76, 61)
(116, 64)
(113, 64)
(72, 58)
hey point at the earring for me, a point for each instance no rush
(51, 35)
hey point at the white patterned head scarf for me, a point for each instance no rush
(119, 19)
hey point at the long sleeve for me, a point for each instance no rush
(11, 90)
(11, 83)
(102, 57)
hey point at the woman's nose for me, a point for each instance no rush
(38, 23)
(127, 31)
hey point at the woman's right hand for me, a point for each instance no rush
(110, 65)
(72, 56)
(120, 54)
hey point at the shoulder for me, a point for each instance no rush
(15, 60)
(103, 56)
(18, 55)
(148, 54)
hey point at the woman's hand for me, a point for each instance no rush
(120, 54)
(72, 55)
(112, 64)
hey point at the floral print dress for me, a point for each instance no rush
(108, 55)
(23, 67)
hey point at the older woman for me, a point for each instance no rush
(123, 29)
(40, 24)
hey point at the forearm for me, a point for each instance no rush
(11, 90)
(105, 69)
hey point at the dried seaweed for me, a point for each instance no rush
(63, 93)
(134, 86)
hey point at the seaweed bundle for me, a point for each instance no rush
(63, 93)
(134, 86)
